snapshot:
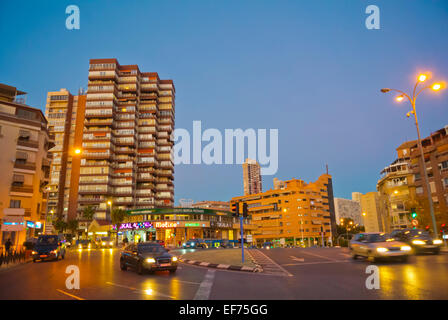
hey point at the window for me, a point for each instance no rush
(26, 114)
(419, 190)
(14, 203)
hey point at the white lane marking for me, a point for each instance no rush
(274, 263)
(152, 292)
(297, 259)
(70, 295)
(308, 263)
(205, 288)
(319, 256)
(345, 255)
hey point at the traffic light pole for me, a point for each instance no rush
(242, 238)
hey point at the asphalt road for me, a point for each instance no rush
(318, 273)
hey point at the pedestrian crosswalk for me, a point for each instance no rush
(267, 264)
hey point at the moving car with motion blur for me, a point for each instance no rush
(195, 243)
(104, 242)
(420, 240)
(147, 256)
(84, 244)
(267, 245)
(378, 245)
(48, 247)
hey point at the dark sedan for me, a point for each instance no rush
(420, 240)
(48, 247)
(147, 256)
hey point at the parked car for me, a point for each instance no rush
(377, 245)
(226, 244)
(420, 240)
(195, 243)
(48, 247)
(147, 256)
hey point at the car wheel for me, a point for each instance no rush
(140, 268)
(437, 251)
(405, 259)
(173, 271)
(123, 266)
(371, 257)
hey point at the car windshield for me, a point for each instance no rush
(418, 232)
(47, 240)
(379, 237)
(150, 248)
(105, 239)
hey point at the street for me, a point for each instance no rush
(290, 273)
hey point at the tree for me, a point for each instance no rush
(117, 216)
(72, 225)
(60, 225)
(88, 213)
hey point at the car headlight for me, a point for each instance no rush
(405, 248)
(34, 252)
(418, 242)
(103, 243)
(174, 258)
(110, 243)
(437, 241)
(54, 251)
(151, 260)
(192, 243)
(380, 249)
(80, 246)
(184, 244)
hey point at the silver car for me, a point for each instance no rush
(378, 245)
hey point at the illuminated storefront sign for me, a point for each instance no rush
(30, 224)
(134, 225)
(166, 224)
(192, 224)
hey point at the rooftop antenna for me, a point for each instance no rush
(326, 166)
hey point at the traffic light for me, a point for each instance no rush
(245, 214)
(235, 209)
(414, 213)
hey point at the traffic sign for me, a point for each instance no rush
(414, 222)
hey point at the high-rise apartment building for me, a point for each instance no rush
(127, 158)
(298, 211)
(214, 205)
(25, 167)
(65, 114)
(251, 177)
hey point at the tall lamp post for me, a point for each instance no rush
(436, 87)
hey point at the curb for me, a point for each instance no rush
(14, 265)
(221, 266)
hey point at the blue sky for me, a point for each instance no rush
(309, 68)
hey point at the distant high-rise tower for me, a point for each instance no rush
(252, 177)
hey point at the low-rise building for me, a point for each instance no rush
(372, 212)
(299, 211)
(25, 165)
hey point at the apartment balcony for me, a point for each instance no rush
(93, 191)
(145, 177)
(123, 201)
(165, 195)
(91, 201)
(100, 75)
(28, 143)
(145, 186)
(22, 189)
(96, 145)
(127, 165)
(121, 182)
(98, 113)
(166, 173)
(96, 155)
(31, 166)
(166, 165)
(93, 130)
(124, 150)
(142, 162)
(98, 122)
(146, 129)
(125, 142)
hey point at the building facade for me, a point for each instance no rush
(174, 226)
(214, 205)
(25, 164)
(346, 208)
(299, 212)
(372, 212)
(127, 159)
(65, 114)
(251, 177)
(435, 148)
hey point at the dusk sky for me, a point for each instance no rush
(310, 69)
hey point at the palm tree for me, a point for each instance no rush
(88, 213)
(72, 225)
(117, 216)
(60, 225)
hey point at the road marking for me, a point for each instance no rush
(319, 256)
(205, 288)
(266, 258)
(308, 263)
(297, 259)
(152, 292)
(70, 295)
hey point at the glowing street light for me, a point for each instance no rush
(435, 87)
(77, 151)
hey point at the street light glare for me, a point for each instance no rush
(109, 202)
(77, 151)
(436, 86)
(399, 98)
(422, 77)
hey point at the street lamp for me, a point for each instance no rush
(435, 86)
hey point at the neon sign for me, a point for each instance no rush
(134, 225)
(166, 224)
